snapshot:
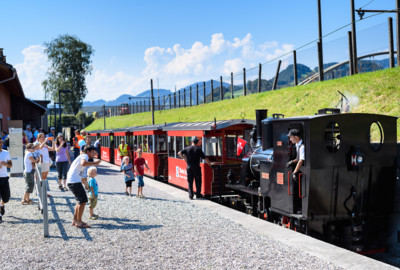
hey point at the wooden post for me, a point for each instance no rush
(175, 99)
(204, 93)
(197, 94)
(212, 91)
(190, 96)
(320, 64)
(259, 78)
(179, 98)
(244, 82)
(232, 97)
(221, 89)
(170, 103)
(276, 75)
(391, 46)
(152, 102)
(295, 68)
(158, 103)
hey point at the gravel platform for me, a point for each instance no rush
(160, 231)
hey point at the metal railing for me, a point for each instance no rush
(41, 192)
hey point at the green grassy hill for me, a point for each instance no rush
(374, 92)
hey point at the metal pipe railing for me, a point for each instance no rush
(41, 192)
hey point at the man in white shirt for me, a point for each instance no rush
(5, 162)
(75, 181)
(295, 137)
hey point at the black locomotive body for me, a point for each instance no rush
(345, 190)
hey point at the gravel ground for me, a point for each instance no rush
(158, 232)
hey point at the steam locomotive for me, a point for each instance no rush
(344, 193)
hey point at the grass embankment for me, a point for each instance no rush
(375, 92)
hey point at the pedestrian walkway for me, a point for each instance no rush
(165, 230)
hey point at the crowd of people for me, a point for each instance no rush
(77, 175)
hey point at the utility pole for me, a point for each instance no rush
(353, 39)
(152, 101)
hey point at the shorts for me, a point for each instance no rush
(92, 201)
(128, 183)
(79, 192)
(140, 181)
(44, 167)
(29, 181)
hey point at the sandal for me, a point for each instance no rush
(30, 202)
(23, 202)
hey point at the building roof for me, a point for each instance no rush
(211, 125)
(9, 78)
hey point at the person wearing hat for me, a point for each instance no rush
(296, 139)
(28, 133)
(192, 155)
(123, 150)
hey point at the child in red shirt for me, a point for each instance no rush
(139, 165)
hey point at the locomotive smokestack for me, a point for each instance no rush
(260, 115)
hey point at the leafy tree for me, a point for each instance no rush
(70, 63)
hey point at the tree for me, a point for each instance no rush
(70, 63)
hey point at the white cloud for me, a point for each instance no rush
(233, 65)
(32, 71)
(172, 66)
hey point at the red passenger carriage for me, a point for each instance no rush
(153, 142)
(218, 140)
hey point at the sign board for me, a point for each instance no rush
(16, 151)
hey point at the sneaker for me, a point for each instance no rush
(127, 194)
(2, 210)
(1, 219)
(142, 196)
(61, 188)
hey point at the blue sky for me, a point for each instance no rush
(176, 42)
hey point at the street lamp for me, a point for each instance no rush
(59, 104)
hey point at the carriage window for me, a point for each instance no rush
(376, 136)
(150, 144)
(188, 141)
(139, 142)
(231, 142)
(213, 146)
(332, 137)
(171, 146)
(179, 145)
(161, 143)
(112, 142)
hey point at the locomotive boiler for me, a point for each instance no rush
(345, 190)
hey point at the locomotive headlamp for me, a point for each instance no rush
(357, 159)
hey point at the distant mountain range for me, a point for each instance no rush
(286, 78)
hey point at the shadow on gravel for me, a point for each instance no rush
(71, 207)
(107, 171)
(164, 200)
(18, 220)
(123, 224)
(58, 221)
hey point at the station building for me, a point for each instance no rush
(13, 103)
